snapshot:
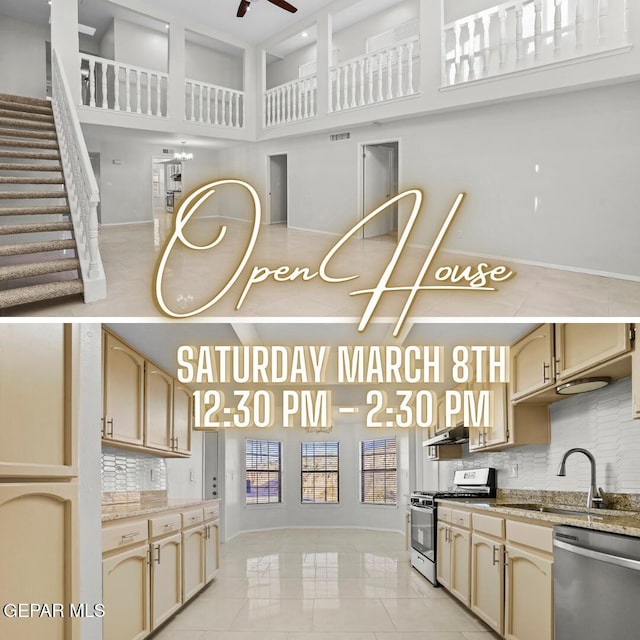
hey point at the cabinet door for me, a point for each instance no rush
(460, 542)
(498, 430)
(38, 557)
(532, 362)
(582, 346)
(123, 392)
(487, 581)
(635, 382)
(158, 408)
(37, 400)
(211, 550)
(193, 578)
(125, 593)
(440, 422)
(182, 418)
(528, 596)
(166, 578)
(443, 553)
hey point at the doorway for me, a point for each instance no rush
(278, 189)
(380, 179)
(95, 165)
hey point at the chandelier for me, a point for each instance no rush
(183, 155)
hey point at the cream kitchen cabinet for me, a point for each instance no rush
(38, 400)
(39, 556)
(443, 547)
(182, 418)
(166, 578)
(455, 419)
(487, 580)
(532, 362)
(445, 452)
(454, 555)
(193, 561)
(158, 408)
(123, 393)
(635, 382)
(211, 550)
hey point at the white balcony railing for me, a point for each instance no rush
(213, 105)
(522, 34)
(81, 184)
(291, 102)
(376, 77)
(115, 86)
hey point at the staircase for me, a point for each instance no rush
(38, 253)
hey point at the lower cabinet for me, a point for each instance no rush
(193, 561)
(635, 382)
(166, 578)
(443, 553)
(211, 550)
(453, 560)
(126, 593)
(487, 581)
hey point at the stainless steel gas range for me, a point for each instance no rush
(469, 483)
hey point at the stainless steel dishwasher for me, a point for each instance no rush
(596, 584)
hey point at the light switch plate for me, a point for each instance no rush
(513, 471)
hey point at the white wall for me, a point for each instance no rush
(107, 44)
(23, 58)
(184, 476)
(140, 46)
(599, 421)
(207, 65)
(291, 513)
(584, 145)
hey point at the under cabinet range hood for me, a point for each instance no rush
(457, 435)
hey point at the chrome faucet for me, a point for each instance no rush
(595, 497)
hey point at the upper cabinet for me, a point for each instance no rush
(123, 393)
(532, 362)
(144, 407)
(38, 366)
(635, 382)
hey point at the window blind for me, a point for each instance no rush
(378, 471)
(320, 472)
(264, 471)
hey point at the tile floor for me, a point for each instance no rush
(327, 584)
(130, 254)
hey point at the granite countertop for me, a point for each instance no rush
(112, 512)
(609, 520)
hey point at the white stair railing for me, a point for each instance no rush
(81, 185)
(115, 86)
(379, 76)
(521, 34)
(213, 105)
(291, 101)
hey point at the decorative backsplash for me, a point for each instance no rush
(130, 471)
(599, 421)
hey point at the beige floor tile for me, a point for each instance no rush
(429, 615)
(274, 614)
(420, 635)
(208, 614)
(339, 615)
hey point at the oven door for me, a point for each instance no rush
(423, 531)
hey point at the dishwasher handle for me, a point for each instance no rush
(627, 563)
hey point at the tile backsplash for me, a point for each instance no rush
(130, 471)
(599, 421)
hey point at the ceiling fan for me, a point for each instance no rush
(245, 4)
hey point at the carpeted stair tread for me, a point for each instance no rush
(26, 115)
(32, 125)
(25, 166)
(21, 107)
(35, 227)
(39, 102)
(16, 271)
(28, 144)
(22, 133)
(27, 195)
(37, 292)
(30, 155)
(33, 211)
(23, 248)
(23, 180)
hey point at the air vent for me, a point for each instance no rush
(334, 137)
(169, 151)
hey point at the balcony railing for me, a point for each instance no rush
(373, 78)
(522, 34)
(291, 101)
(213, 105)
(111, 85)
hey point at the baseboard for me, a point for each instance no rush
(305, 527)
(124, 224)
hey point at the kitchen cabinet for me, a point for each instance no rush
(487, 580)
(532, 361)
(38, 556)
(123, 393)
(635, 383)
(158, 408)
(211, 550)
(453, 549)
(443, 547)
(193, 561)
(126, 592)
(182, 418)
(166, 578)
(445, 452)
(38, 382)
(455, 419)
(580, 347)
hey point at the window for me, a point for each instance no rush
(320, 462)
(378, 471)
(264, 471)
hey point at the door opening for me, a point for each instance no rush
(380, 177)
(278, 189)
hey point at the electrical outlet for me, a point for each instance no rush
(513, 471)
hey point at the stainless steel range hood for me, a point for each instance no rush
(457, 435)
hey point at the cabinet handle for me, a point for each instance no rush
(545, 368)
(169, 526)
(556, 368)
(130, 536)
(506, 558)
(158, 554)
(109, 431)
(149, 556)
(103, 430)
(176, 445)
(495, 560)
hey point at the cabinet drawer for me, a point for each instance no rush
(461, 518)
(530, 535)
(192, 517)
(488, 524)
(211, 512)
(117, 536)
(444, 514)
(164, 525)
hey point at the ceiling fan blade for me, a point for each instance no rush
(284, 5)
(243, 8)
